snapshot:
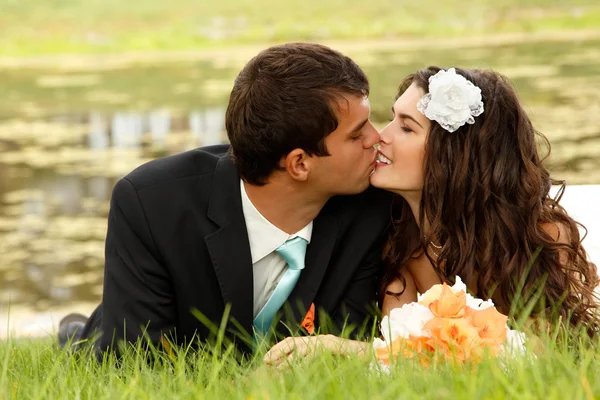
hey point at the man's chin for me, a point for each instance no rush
(356, 188)
(361, 188)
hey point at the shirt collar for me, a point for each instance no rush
(264, 237)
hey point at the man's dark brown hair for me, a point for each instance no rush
(285, 98)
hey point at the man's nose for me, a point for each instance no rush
(371, 137)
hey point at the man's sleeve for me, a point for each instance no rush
(138, 298)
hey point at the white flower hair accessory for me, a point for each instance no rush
(452, 100)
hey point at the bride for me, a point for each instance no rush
(472, 201)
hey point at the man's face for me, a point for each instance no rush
(352, 155)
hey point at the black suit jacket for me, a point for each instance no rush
(177, 247)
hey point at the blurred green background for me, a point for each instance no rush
(90, 89)
(33, 27)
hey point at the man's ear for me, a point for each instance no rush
(297, 164)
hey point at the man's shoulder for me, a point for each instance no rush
(189, 164)
(371, 208)
(372, 198)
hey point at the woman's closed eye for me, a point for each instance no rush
(406, 129)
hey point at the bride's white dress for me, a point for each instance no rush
(581, 202)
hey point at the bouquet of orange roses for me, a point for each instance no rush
(448, 323)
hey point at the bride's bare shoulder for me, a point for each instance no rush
(557, 231)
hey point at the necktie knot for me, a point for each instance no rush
(293, 252)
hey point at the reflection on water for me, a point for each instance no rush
(63, 148)
(53, 219)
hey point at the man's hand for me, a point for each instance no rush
(304, 346)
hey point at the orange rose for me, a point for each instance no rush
(490, 324)
(431, 295)
(385, 353)
(309, 320)
(420, 347)
(456, 336)
(459, 333)
(450, 304)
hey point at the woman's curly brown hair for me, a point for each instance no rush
(486, 200)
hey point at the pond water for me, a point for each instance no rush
(67, 135)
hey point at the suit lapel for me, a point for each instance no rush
(229, 247)
(229, 250)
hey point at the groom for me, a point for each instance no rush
(281, 219)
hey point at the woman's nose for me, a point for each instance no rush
(384, 136)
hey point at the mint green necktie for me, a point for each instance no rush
(293, 252)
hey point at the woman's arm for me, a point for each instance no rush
(408, 291)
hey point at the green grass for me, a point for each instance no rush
(32, 27)
(37, 369)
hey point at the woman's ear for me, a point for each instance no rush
(297, 164)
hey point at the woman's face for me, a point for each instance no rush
(400, 162)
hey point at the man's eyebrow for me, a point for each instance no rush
(406, 116)
(359, 126)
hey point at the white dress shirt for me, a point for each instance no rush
(267, 266)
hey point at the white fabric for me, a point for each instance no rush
(267, 266)
(581, 202)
